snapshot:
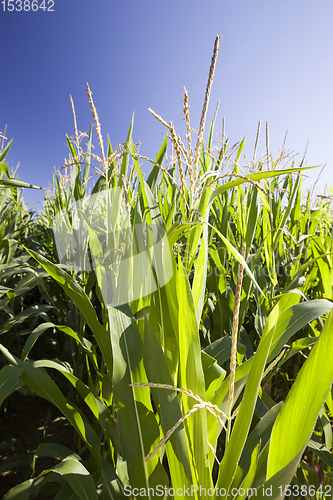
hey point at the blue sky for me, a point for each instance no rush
(275, 65)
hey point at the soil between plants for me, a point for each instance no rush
(26, 423)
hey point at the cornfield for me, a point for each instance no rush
(180, 324)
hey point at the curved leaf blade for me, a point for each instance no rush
(303, 404)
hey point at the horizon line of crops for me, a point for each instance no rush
(195, 334)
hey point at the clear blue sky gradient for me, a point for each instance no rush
(275, 65)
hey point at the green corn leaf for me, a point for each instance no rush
(275, 487)
(220, 398)
(168, 406)
(325, 268)
(163, 316)
(286, 213)
(267, 241)
(5, 151)
(176, 231)
(37, 310)
(9, 379)
(200, 276)
(239, 151)
(126, 155)
(71, 147)
(244, 417)
(26, 284)
(8, 246)
(317, 447)
(252, 218)
(247, 482)
(4, 290)
(260, 434)
(67, 493)
(191, 377)
(221, 349)
(31, 340)
(94, 403)
(302, 269)
(5, 169)
(237, 256)
(100, 185)
(111, 171)
(22, 491)
(79, 479)
(55, 450)
(254, 177)
(82, 302)
(153, 175)
(41, 383)
(214, 374)
(303, 404)
(17, 183)
(127, 368)
(293, 319)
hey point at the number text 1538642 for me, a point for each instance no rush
(27, 5)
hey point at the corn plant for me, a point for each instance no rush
(180, 380)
